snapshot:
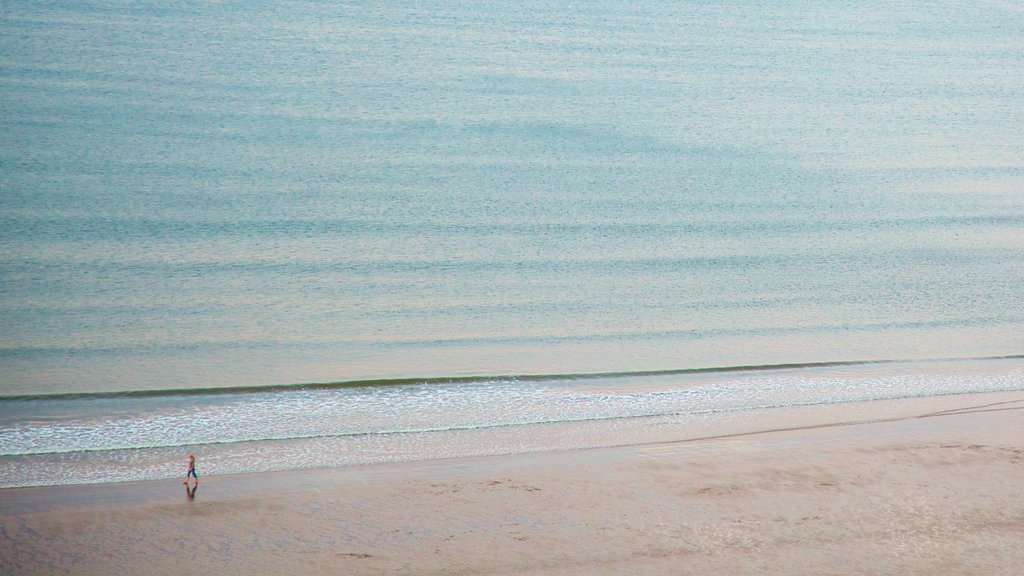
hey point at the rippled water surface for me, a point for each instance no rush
(221, 195)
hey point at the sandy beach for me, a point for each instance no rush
(512, 288)
(938, 493)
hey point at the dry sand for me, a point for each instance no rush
(942, 494)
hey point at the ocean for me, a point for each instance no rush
(303, 234)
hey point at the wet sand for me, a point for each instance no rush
(936, 494)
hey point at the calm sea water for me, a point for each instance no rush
(208, 195)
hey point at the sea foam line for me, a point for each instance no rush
(515, 424)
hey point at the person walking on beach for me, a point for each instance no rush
(191, 470)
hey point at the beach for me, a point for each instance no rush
(933, 492)
(511, 288)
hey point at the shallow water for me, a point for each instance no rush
(203, 195)
(207, 196)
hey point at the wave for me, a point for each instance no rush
(101, 228)
(523, 423)
(455, 380)
(609, 336)
(29, 264)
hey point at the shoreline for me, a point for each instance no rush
(325, 429)
(938, 491)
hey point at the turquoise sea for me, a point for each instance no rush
(446, 210)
